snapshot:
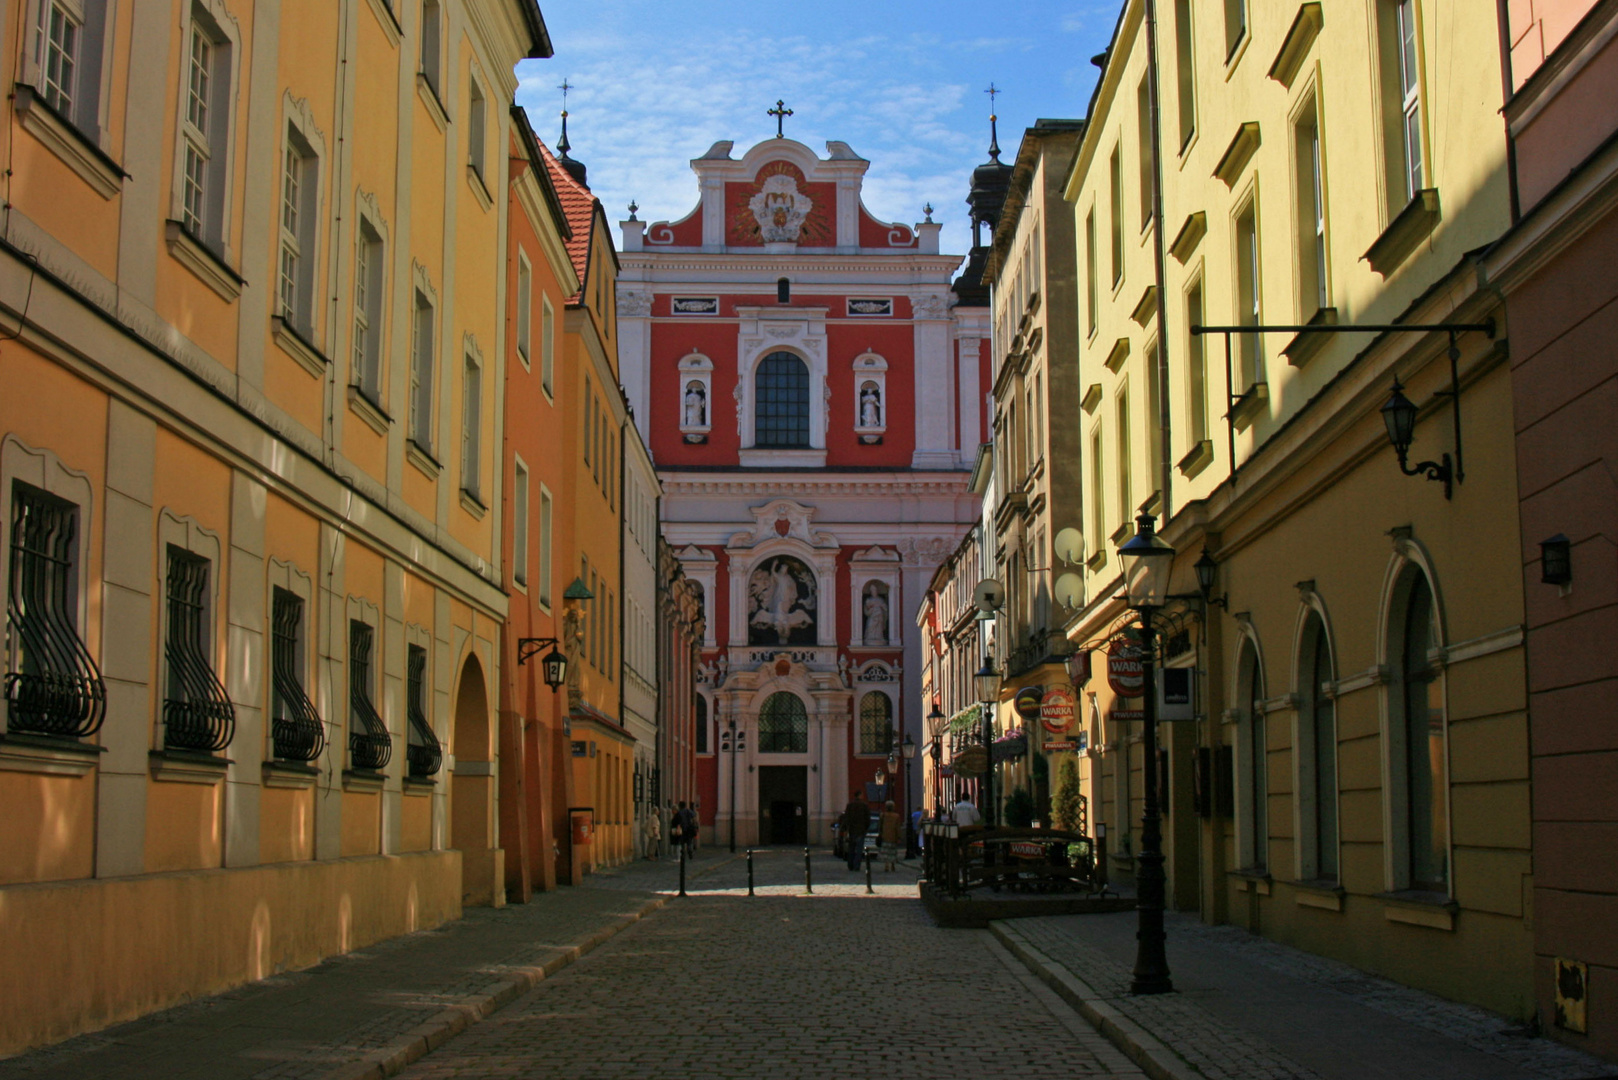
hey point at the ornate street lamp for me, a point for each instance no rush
(1399, 414)
(987, 684)
(935, 726)
(1147, 560)
(553, 668)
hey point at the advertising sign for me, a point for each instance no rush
(1027, 702)
(1056, 709)
(1065, 744)
(1126, 674)
(1126, 716)
(971, 761)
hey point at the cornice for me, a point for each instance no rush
(777, 484)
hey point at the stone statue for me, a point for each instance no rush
(876, 615)
(779, 603)
(842, 667)
(723, 667)
(870, 407)
(696, 406)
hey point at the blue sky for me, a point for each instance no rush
(901, 81)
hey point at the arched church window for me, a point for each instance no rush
(876, 723)
(781, 419)
(782, 602)
(783, 725)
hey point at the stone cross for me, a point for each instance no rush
(780, 112)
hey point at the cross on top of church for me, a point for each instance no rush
(780, 112)
(991, 91)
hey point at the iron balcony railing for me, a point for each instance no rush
(370, 747)
(424, 755)
(296, 731)
(52, 684)
(197, 713)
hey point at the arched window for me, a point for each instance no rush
(1422, 742)
(783, 725)
(1252, 751)
(702, 724)
(1317, 766)
(876, 723)
(781, 419)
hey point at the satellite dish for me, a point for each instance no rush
(1069, 545)
(1069, 590)
(989, 595)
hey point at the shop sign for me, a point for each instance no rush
(1127, 716)
(1062, 744)
(1056, 709)
(971, 761)
(1027, 702)
(1126, 674)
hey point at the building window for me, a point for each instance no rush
(197, 713)
(519, 523)
(1196, 376)
(1311, 230)
(1253, 749)
(431, 44)
(525, 306)
(1146, 152)
(60, 33)
(471, 426)
(702, 724)
(1235, 26)
(424, 755)
(876, 723)
(65, 60)
(1409, 98)
(369, 744)
(1247, 295)
(421, 374)
(368, 288)
(1097, 497)
(296, 730)
(782, 418)
(547, 346)
(53, 686)
(476, 122)
(205, 132)
(589, 419)
(1090, 297)
(544, 546)
(783, 725)
(1115, 179)
(1318, 716)
(1426, 784)
(299, 208)
(1126, 493)
(1185, 69)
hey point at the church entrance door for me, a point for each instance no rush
(783, 804)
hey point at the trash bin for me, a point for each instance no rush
(584, 823)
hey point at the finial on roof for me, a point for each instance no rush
(928, 210)
(632, 209)
(575, 169)
(780, 112)
(994, 131)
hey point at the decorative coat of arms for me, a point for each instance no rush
(780, 209)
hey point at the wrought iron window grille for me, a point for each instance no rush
(783, 725)
(370, 747)
(782, 418)
(296, 731)
(197, 713)
(52, 684)
(424, 755)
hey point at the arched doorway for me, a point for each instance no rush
(471, 792)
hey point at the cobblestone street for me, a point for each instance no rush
(837, 984)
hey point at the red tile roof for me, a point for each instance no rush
(580, 207)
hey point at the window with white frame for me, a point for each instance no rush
(1115, 182)
(1185, 70)
(1235, 25)
(431, 58)
(1409, 98)
(519, 523)
(1126, 494)
(369, 270)
(1097, 499)
(300, 180)
(1247, 295)
(1196, 369)
(65, 60)
(476, 129)
(471, 425)
(1144, 151)
(1090, 280)
(422, 351)
(525, 307)
(1311, 227)
(547, 345)
(205, 130)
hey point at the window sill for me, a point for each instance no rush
(295, 345)
(183, 767)
(1302, 348)
(201, 260)
(390, 22)
(429, 97)
(290, 775)
(1250, 405)
(1325, 895)
(1412, 907)
(1200, 457)
(422, 459)
(63, 138)
(472, 504)
(1413, 224)
(363, 781)
(480, 190)
(1251, 880)
(47, 756)
(418, 787)
(360, 403)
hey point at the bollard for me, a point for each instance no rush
(682, 869)
(868, 861)
(749, 871)
(808, 875)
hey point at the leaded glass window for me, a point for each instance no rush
(782, 416)
(783, 725)
(876, 723)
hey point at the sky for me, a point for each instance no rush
(657, 82)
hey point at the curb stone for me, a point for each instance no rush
(1138, 1044)
(433, 1033)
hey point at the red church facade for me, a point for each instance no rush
(813, 401)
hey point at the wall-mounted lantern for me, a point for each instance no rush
(1556, 560)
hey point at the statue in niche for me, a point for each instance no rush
(842, 668)
(876, 615)
(781, 594)
(870, 406)
(696, 405)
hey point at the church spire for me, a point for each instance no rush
(994, 130)
(575, 169)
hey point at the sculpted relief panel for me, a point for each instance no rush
(781, 603)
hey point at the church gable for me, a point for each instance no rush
(780, 206)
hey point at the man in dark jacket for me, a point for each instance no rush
(856, 823)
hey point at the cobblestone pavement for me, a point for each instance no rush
(837, 984)
(1249, 1008)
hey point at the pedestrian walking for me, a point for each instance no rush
(654, 832)
(966, 813)
(915, 834)
(856, 823)
(696, 827)
(892, 831)
(677, 828)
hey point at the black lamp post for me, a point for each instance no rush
(734, 748)
(987, 684)
(935, 725)
(1147, 560)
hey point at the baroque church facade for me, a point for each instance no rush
(814, 398)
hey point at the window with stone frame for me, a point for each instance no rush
(781, 416)
(876, 723)
(783, 725)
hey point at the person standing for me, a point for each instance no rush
(654, 832)
(966, 813)
(890, 834)
(693, 832)
(856, 823)
(915, 834)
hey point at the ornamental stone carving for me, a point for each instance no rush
(634, 304)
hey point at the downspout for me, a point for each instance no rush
(1165, 435)
(1507, 92)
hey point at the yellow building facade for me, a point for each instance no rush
(250, 422)
(1353, 775)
